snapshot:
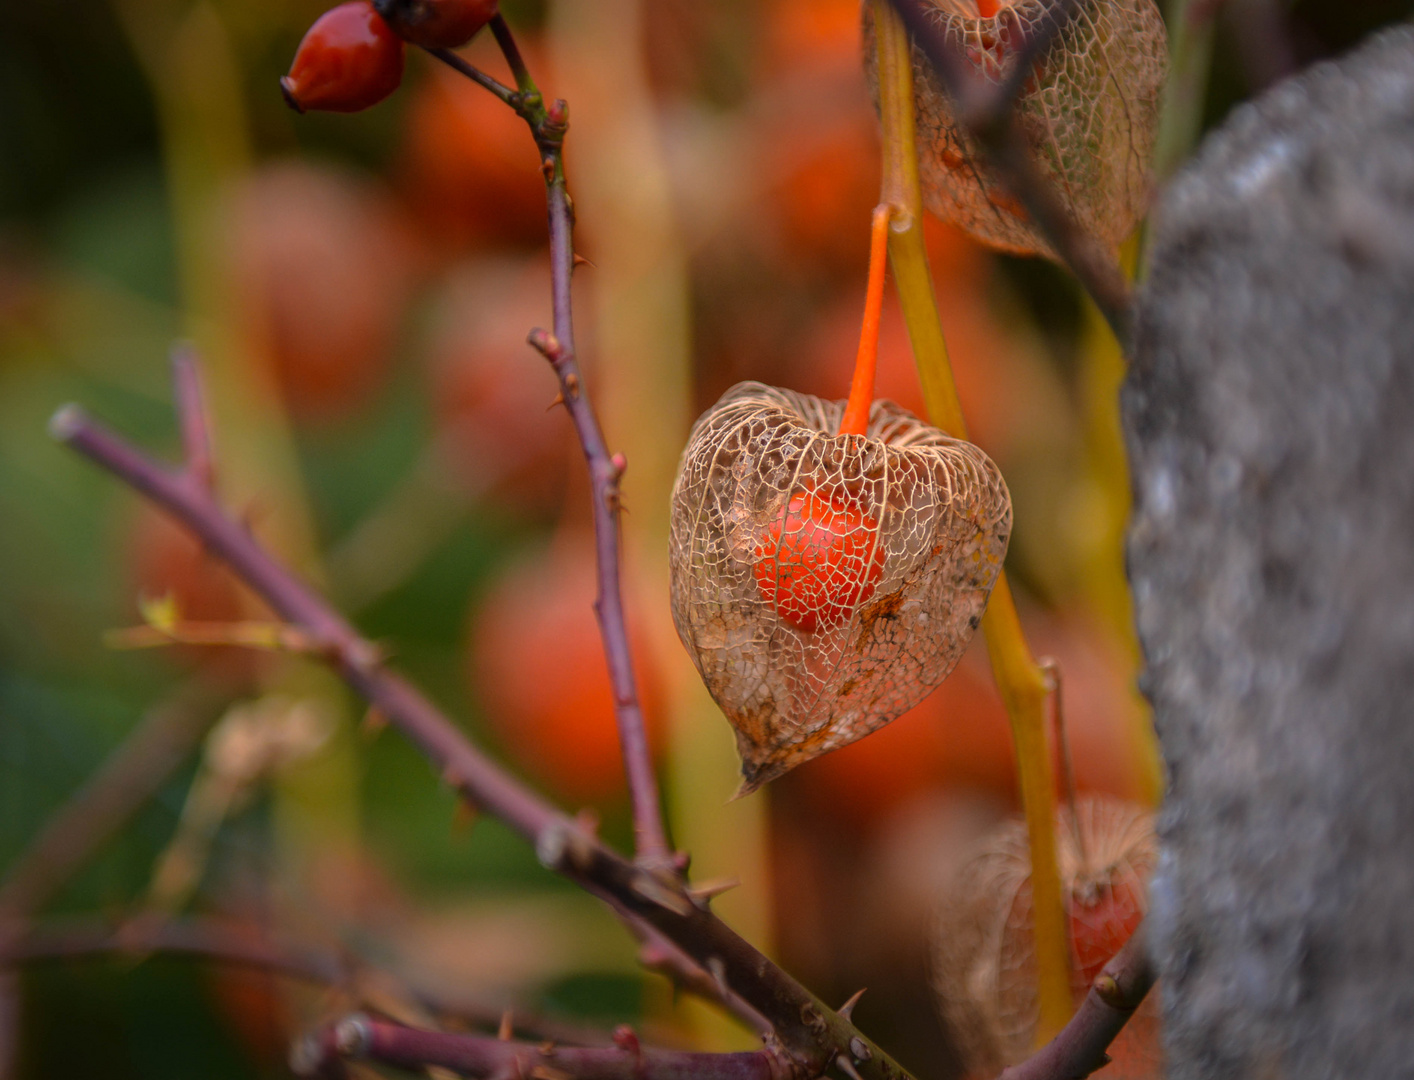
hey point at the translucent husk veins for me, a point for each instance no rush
(822, 583)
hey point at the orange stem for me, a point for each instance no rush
(861, 392)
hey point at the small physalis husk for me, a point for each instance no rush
(984, 959)
(1089, 113)
(824, 584)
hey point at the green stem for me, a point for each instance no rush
(1022, 683)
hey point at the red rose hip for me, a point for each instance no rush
(437, 24)
(350, 59)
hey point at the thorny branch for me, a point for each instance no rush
(676, 921)
(1116, 993)
(548, 125)
(985, 110)
(362, 1037)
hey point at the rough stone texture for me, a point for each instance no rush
(1270, 417)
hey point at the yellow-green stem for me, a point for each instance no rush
(1022, 684)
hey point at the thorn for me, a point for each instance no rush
(505, 1031)
(559, 400)
(655, 892)
(1106, 987)
(847, 1009)
(580, 260)
(705, 891)
(847, 1067)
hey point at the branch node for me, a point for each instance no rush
(546, 344)
(353, 1036)
(860, 1049)
(67, 422)
(562, 846)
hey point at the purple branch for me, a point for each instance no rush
(1079, 1049)
(363, 1037)
(236, 943)
(548, 125)
(987, 114)
(808, 1030)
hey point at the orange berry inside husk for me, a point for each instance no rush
(1103, 915)
(818, 560)
(348, 61)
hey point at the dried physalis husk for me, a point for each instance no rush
(985, 959)
(1089, 112)
(824, 584)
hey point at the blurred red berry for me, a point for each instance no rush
(322, 266)
(469, 167)
(490, 391)
(348, 60)
(437, 24)
(537, 665)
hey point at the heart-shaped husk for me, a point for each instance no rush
(1089, 113)
(984, 956)
(910, 530)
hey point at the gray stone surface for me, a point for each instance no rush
(1270, 419)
